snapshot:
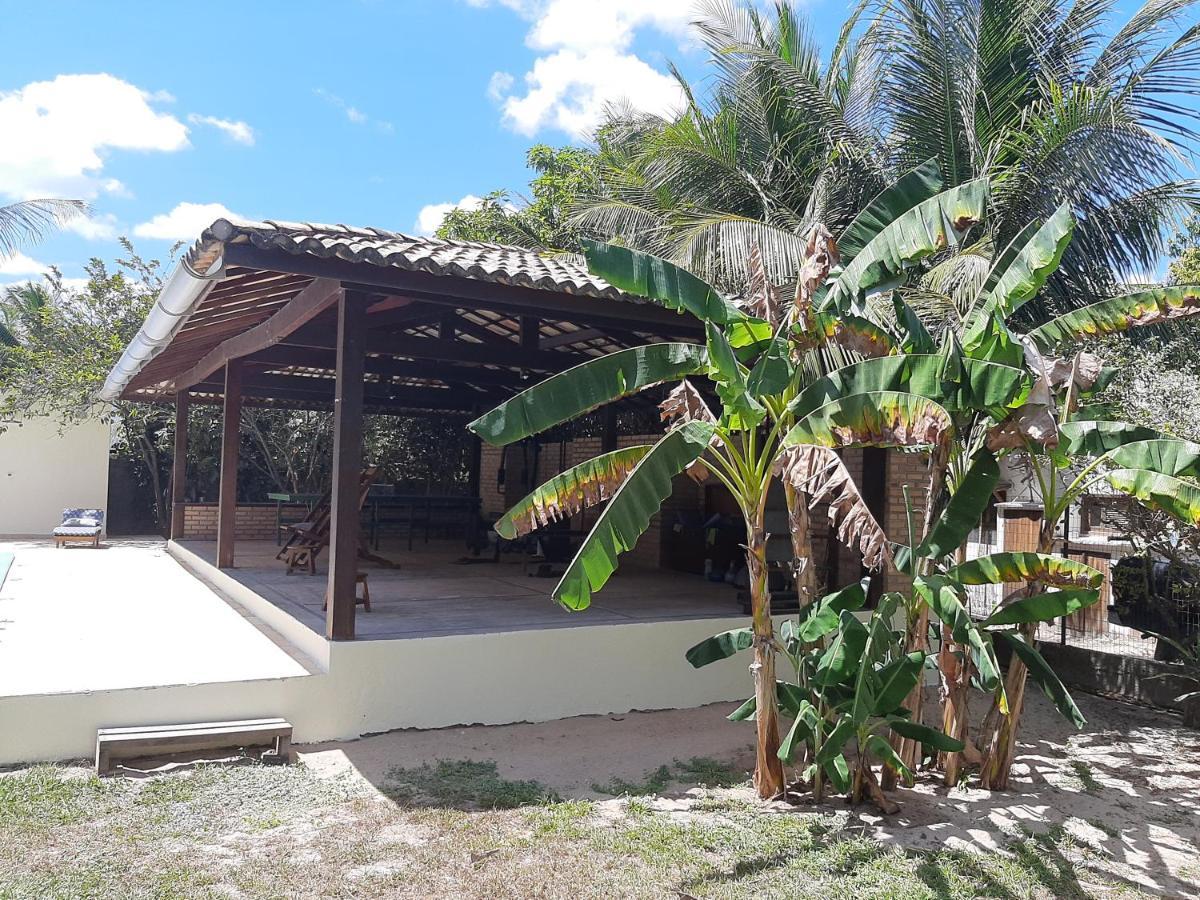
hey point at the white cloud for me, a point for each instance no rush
(431, 215)
(20, 264)
(59, 132)
(352, 113)
(237, 131)
(184, 222)
(586, 62)
(101, 227)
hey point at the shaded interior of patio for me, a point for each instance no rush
(440, 590)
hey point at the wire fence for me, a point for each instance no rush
(1118, 622)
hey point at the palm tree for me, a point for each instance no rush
(20, 307)
(785, 139)
(1034, 95)
(29, 221)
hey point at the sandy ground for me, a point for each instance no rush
(1127, 785)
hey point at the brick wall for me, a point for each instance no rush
(909, 470)
(253, 521)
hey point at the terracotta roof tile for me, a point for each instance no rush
(466, 259)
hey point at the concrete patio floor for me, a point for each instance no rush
(434, 592)
(124, 616)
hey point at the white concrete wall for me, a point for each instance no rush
(518, 676)
(42, 472)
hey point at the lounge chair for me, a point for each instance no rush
(307, 538)
(79, 526)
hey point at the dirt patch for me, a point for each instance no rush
(1125, 789)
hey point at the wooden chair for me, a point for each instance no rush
(307, 538)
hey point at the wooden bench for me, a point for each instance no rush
(114, 744)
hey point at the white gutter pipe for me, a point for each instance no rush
(178, 298)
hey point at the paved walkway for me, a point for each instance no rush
(126, 615)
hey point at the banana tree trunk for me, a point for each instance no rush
(802, 555)
(954, 664)
(768, 770)
(998, 742)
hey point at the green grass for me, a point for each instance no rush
(265, 832)
(1084, 773)
(699, 770)
(463, 783)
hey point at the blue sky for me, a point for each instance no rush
(363, 112)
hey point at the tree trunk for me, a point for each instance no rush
(954, 664)
(768, 771)
(802, 554)
(998, 743)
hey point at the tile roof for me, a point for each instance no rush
(465, 259)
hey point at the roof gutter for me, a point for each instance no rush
(176, 301)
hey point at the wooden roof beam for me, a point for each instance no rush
(306, 305)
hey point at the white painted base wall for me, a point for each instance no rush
(43, 472)
(369, 686)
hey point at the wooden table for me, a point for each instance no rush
(413, 503)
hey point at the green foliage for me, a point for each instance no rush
(463, 783)
(563, 175)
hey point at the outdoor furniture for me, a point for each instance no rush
(284, 499)
(307, 538)
(79, 526)
(113, 744)
(364, 601)
(406, 513)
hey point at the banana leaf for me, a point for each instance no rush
(648, 276)
(876, 419)
(1171, 495)
(836, 740)
(628, 514)
(1042, 607)
(1009, 567)
(720, 646)
(773, 370)
(740, 411)
(944, 598)
(745, 711)
(675, 288)
(930, 737)
(929, 227)
(887, 754)
(566, 494)
(803, 727)
(896, 680)
(966, 506)
(586, 387)
(841, 657)
(915, 336)
(860, 335)
(866, 682)
(820, 618)
(911, 188)
(1095, 437)
(1166, 456)
(1043, 675)
(980, 385)
(1119, 314)
(1031, 262)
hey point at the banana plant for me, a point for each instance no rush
(755, 358)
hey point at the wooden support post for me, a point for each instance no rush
(530, 333)
(179, 466)
(347, 466)
(230, 433)
(608, 438)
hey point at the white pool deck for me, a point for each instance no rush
(123, 616)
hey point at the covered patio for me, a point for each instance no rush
(435, 593)
(367, 321)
